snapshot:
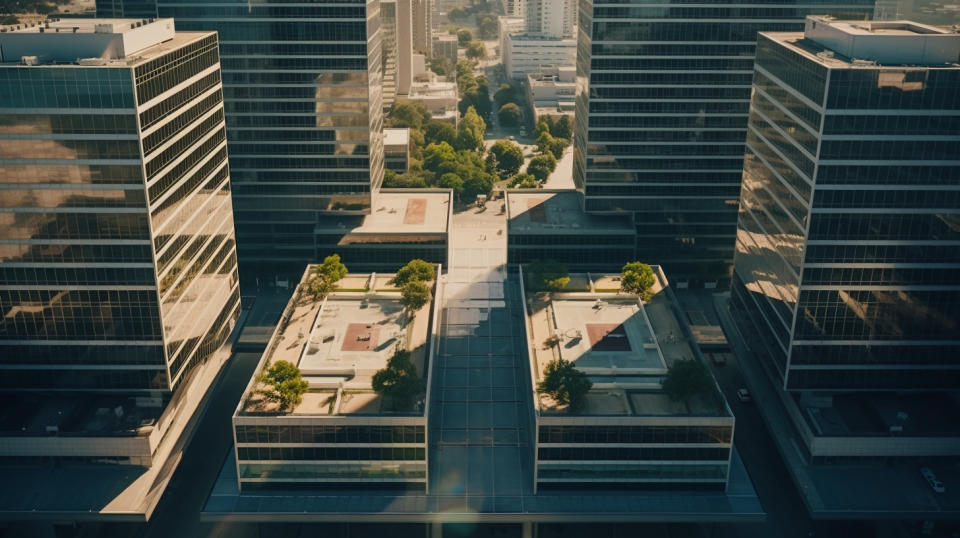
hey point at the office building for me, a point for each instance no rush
(395, 31)
(118, 271)
(131, 9)
(525, 53)
(551, 92)
(445, 46)
(422, 21)
(662, 114)
(396, 149)
(551, 18)
(342, 433)
(303, 97)
(845, 272)
(514, 8)
(627, 432)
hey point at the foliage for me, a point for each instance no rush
(509, 115)
(470, 131)
(464, 37)
(286, 385)
(488, 25)
(415, 271)
(506, 94)
(509, 157)
(441, 65)
(436, 131)
(476, 50)
(398, 380)
(451, 181)
(414, 295)
(323, 278)
(565, 384)
(563, 128)
(477, 185)
(547, 275)
(686, 379)
(524, 181)
(413, 179)
(547, 143)
(541, 166)
(412, 115)
(638, 278)
(474, 91)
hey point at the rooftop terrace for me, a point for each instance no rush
(397, 212)
(340, 343)
(546, 211)
(623, 346)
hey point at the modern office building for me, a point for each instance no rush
(396, 149)
(131, 9)
(445, 46)
(514, 8)
(845, 273)
(628, 432)
(422, 21)
(525, 53)
(342, 433)
(662, 116)
(551, 92)
(549, 225)
(118, 271)
(395, 31)
(303, 98)
(551, 18)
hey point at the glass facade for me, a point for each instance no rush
(117, 257)
(845, 264)
(661, 115)
(302, 85)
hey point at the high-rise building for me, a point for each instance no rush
(422, 21)
(303, 98)
(845, 275)
(126, 8)
(118, 270)
(662, 114)
(514, 8)
(551, 18)
(118, 261)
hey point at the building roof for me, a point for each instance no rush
(92, 42)
(558, 211)
(872, 44)
(623, 346)
(397, 212)
(339, 344)
(396, 137)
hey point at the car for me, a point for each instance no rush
(511, 137)
(718, 359)
(932, 479)
(744, 395)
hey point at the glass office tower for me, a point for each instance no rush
(303, 99)
(117, 257)
(847, 260)
(661, 115)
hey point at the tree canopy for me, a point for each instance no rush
(285, 384)
(414, 295)
(524, 181)
(404, 114)
(686, 379)
(638, 278)
(565, 384)
(323, 278)
(547, 275)
(505, 94)
(476, 50)
(464, 37)
(436, 131)
(542, 166)
(509, 115)
(398, 381)
(415, 271)
(509, 157)
(470, 131)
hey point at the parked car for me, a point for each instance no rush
(744, 395)
(932, 479)
(718, 359)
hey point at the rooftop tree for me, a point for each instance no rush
(398, 381)
(638, 278)
(285, 385)
(685, 379)
(565, 384)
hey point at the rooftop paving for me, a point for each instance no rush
(395, 213)
(544, 211)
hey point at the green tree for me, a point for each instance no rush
(464, 37)
(323, 278)
(477, 185)
(410, 180)
(451, 181)
(489, 28)
(414, 295)
(441, 65)
(543, 126)
(557, 145)
(509, 157)
(565, 384)
(476, 50)
(412, 115)
(470, 131)
(686, 379)
(563, 128)
(415, 271)
(547, 275)
(638, 278)
(398, 381)
(542, 166)
(436, 155)
(505, 94)
(458, 14)
(524, 181)
(436, 131)
(509, 115)
(284, 384)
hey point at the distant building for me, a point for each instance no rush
(551, 91)
(343, 433)
(118, 265)
(396, 149)
(422, 21)
(439, 97)
(628, 433)
(524, 53)
(845, 271)
(661, 121)
(445, 46)
(395, 38)
(514, 8)
(551, 18)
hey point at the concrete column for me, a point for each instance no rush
(527, 530)
(435, 530)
